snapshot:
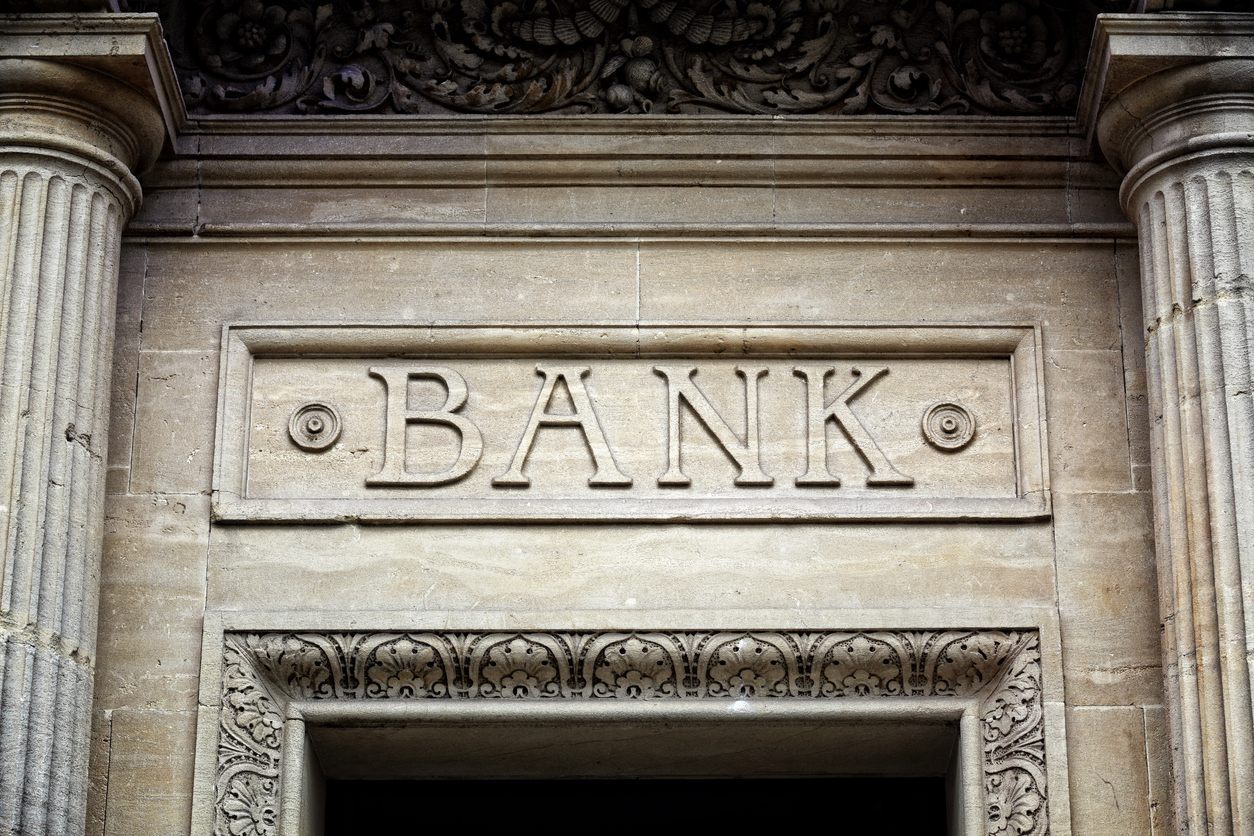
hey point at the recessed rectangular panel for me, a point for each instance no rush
(630, 423)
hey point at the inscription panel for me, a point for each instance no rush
(327, 423)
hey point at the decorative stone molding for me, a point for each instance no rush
(773, 57)
(1185, 136)
(74, 131)
(265, 675)
(274, 375)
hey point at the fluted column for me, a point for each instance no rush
(72, 136)
(1184, 135)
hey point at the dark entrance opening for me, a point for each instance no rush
(636, 805)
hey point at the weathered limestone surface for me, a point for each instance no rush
(549, 224)
(249, 229)
(71, 137)
(1183, 137)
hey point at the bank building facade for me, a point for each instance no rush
(418, 390)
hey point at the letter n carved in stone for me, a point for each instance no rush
(681, 389)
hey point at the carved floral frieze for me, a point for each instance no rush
(630, 56)
(262, 672)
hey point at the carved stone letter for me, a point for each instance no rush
(399, 416)
(679, 384)
(584, 416)
(882, 470)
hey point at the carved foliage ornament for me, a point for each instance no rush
(263, 671)
(630, 56)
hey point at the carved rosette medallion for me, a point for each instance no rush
(774, 57)
(263, 672)
(314, 426)
(948, 426)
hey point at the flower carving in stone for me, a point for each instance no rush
(255, 714)
(301, 666)
(249, 808)
(519, 668)
(243, 38)
(860, 667)
(1012, 804)
(634, 669)
(406, 668)
(1015, 38)
(972, 664)
(747, 667)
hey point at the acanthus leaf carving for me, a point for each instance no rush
(262, 672)
(772, 57)
(249, 741)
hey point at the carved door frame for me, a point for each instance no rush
(266, 682)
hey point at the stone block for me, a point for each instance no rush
(176, 400)
(957, 204)
(98, 772)
(633, 205)
(1088, 432)
(656, 567)
(252, 206)
(1069, 289)
(1158, 747)
(1107, 584)
(150, 772)
(646, 141)
(152, 597)
(1132, 327)
(192, 290)
(125, 367)
(1109, 781)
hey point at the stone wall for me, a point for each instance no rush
(551, 226)
(854, 402)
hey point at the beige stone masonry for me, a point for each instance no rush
(353, 242)
(80, 114)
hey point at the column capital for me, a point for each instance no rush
(96, 87)
(1163, 87)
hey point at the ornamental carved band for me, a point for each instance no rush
(630, 56)
(262, 672)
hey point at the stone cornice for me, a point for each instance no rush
(795, 177)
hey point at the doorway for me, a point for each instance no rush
(853, 762)
(630, 806)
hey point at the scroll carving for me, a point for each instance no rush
(630, 56)
(262, 672)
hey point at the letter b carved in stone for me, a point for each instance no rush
(400, 416)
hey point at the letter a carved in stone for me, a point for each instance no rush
(745, 454)
(584, 416)
(399, 416)
(882, 470)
